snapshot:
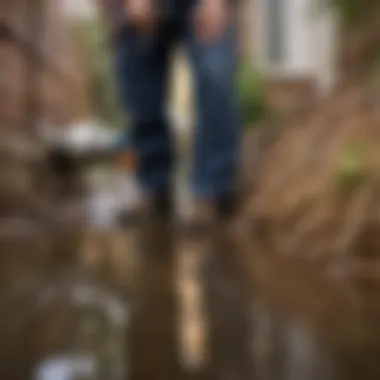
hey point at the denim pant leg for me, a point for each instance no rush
(218, 130)
(142, 78)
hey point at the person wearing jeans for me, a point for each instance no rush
(144, 34)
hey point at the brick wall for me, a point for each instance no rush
(59, 74)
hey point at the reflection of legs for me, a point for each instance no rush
(217, 143)
(217, 137)
(153, 331)
(142, 67)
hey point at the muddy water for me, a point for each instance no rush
(271, 317)
(265, 318)
(308, 325)
(59, 318)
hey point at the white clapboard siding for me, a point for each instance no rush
(308, 41)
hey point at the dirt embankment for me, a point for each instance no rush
(317, 182)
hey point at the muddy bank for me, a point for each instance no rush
(317, 190)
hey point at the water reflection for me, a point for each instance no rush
(57, 321)
(95, 347)
(61, 324)
(66, 368)
(286, 350)
(307, 326)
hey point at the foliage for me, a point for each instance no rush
(353, 10)
(251, 93)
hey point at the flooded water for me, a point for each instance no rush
(97, 346)
(58, 320)
(98, 302)
(307, 325)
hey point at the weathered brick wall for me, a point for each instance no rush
(12, 74)
(58, 76)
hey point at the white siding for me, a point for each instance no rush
(80, 8)
(309, 38)
(325, 52)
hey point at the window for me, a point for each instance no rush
(283, 36)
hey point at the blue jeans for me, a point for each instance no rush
(142, 75)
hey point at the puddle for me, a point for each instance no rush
(72, 329)
(111, 192)
(99, 333)
(284, 349)
(66, 368)
(307, 326)
(303, 325)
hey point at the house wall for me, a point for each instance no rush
(324, 52)
(308, 62)
(308, 38)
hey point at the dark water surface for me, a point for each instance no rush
(310, 326)
(268, 318)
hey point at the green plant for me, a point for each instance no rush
(350, 172)
(352, 10)
(251, 92)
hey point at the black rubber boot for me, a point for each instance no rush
(226, 207)
(158, 206)
(163, 205)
